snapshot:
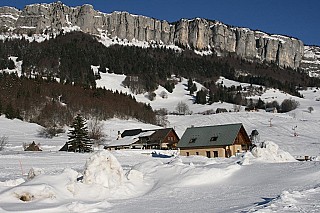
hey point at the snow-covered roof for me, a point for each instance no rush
(126, 141)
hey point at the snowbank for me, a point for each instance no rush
(10, 183)
(175, 173)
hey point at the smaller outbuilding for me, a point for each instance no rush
(33, 147)
(221, 110)
(215, 141)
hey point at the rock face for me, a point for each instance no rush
(200, 34)
(311, 60)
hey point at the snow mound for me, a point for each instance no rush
(176, 173)
(295, 201)
(34, 172)
(42, 187)
(10, 183)
(270, 152)
(104, 169)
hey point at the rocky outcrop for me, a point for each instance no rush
(8, 18)
(311, 60)
(200, 34)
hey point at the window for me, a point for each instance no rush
(208, 154)
(197, 153)
(187, 153)
(214, 138)
(192, 140)
(215, 154)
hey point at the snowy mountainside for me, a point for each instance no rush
(311, 60)
(281, 131)
(114, 82)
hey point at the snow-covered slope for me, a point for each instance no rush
(268, 180)
(311, 60)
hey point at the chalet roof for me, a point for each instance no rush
(131, 132)
(220, 135)
(127, 141)
(160, 134)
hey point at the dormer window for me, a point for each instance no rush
(214, 138)
(192, 140)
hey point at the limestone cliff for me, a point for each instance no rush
(200, 34)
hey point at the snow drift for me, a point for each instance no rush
(267, 151)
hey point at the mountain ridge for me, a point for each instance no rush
(199, 33)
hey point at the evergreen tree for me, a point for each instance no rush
(9, 112)
(79, 136)
(201, 97)
(190, 83)
(260, 104)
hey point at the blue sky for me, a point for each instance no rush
(296, 18)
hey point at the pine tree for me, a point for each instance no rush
(79, 136)
(9, 112)
(201, 97)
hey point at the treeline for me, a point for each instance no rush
(50, 103)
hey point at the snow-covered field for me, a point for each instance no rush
(266, 180)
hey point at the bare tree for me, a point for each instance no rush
(3, 142)
(151, 96)
(288, 105)
(95, 130)
(50, 132)
(310, 109)
(182, 108)
(163, 94)
(162, 118)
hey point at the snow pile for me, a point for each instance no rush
(270, 152)
(315, 158)
(42, 187)
(10, 183)
(103, 168)
(34, 172)
(295, 201)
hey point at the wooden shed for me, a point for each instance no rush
(215, 141)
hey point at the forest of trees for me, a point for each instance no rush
(69, 58)
(50, 103)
